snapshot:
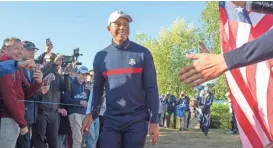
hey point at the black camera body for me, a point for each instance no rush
(67, 59)
(72, 59)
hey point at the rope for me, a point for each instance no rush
(44, 102)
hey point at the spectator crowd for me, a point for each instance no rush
(186, 109)
(45, 106)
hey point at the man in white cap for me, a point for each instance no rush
(126, 70)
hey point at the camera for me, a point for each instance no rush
(67, 59)
(72, 59)
(76, 52)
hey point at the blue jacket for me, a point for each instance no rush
(74, 96)
(7, 67)
(184, 103)
(128, 74)
(206, 101)
(30, 107)
(171, 103)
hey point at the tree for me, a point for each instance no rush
(211, 37)
(168, 50)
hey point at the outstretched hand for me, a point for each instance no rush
(205, 67)
(28, 64)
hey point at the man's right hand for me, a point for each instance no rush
(204, 68)
(28, 64)
(88, 120)
(24, 131)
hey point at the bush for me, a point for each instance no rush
(220, 116)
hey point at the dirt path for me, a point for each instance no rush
(216, 138)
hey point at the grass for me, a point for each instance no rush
(194, 138)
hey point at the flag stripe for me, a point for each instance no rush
(255, 18)
(245, 120)
(251, 86)
(248, 105)
(263, 26)
(262, 73)
(270, 105)
(250, 101)
(243, 136)
(232, 33)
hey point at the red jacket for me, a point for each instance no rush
(11, 90)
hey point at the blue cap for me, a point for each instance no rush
(83, 70)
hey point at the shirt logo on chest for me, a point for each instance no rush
(132, 62)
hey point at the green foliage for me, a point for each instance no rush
(211, 37)
(168, 51)
(220, 88)
(210, 26)
(220, 116)
(171, 44)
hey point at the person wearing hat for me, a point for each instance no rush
(205, 101)
(77, 95)
(127, 71)
(23, 141)
(183, 106)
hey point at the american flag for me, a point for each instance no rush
(251, 87)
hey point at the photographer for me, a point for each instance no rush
(45, 129)
(29, 50)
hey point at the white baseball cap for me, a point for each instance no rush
(116, 15)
